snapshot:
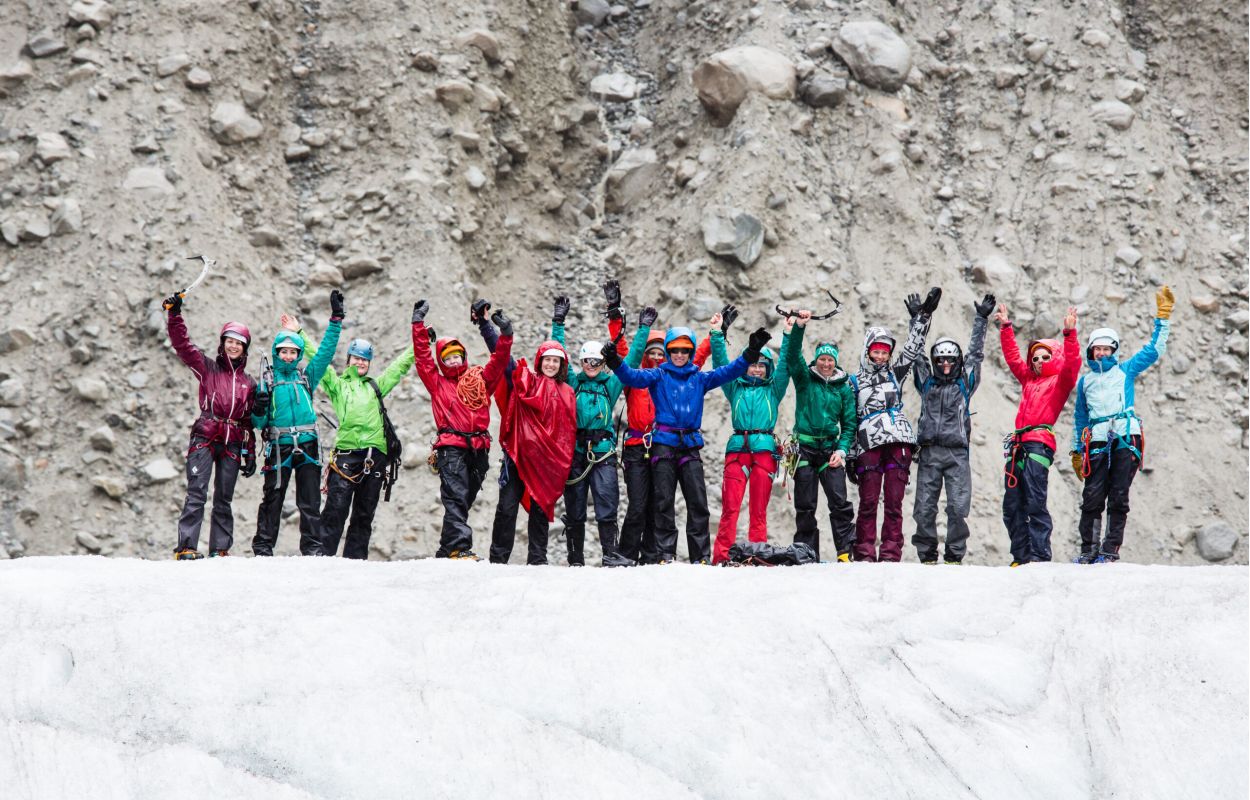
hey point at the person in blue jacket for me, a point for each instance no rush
(677, 388)
(285, 416)
(1107, 441)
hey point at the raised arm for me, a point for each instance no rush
(720, 376)
(499, 360)
(427, 370)
(397, 369)
(1011, 350)
(638, 347)
(976, 353)
(781, 378)
(913, 348)
(794, 356)
(188, 353)
(1071, 350)
(715, 344)
(321, 358)
(1158, 344)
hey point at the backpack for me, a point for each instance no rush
(394, 447)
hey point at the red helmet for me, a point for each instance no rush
(237, 330)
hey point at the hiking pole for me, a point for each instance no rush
(208, 265)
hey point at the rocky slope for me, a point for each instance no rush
(1054, 153)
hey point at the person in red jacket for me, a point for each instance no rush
(460, 400)
(538, 433)
(1047, 378)
(223, 442)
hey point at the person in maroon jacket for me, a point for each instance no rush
(460, 399)
(1047, 378)
(222, 439)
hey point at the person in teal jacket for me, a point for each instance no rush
(824, 430)
(287, 421)
(1107, 441)
(751, 452)
(597, 391)
(358, 468)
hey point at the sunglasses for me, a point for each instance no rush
(946, 359)
(593, 362)
(678, 350)
(1041, 358)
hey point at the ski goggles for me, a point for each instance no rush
(593, 362)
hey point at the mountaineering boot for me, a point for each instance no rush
(216, 553)
(927, 562)
(1018, 563)
(1085, 558)
(1106, 558)
(187, 554)
(844, 558)
(618, 560)
(463, 555)
(954, 561)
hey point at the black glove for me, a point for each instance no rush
(502, 322)
(610, 356)
(419, 310)
(913, 304)
(612, 293)
(931, 302)
(647, 317)
(336, 306)
(479, 311)
(727, 316)
(431, 334)
(755, 344)
(173, 304)
(261, 403)
(560, 311)
(985, 307)
(248, 465)
(852, 474)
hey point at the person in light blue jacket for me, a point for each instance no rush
(1107, 441)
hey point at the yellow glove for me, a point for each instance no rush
(1164, 302)
(1078, 466)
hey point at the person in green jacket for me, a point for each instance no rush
(751, 452)
(285, 416)
(360, 462)
(824, 429)
(597, 391)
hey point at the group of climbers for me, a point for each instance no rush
(559, 429)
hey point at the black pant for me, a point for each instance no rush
(638, 530)
(503, 533)
(602, 485)
(303, 464)
(1024, 504)
(358, 489)
(460, 471)
(1107, 486)
(808, 479)
(205, 464)
(670, 467)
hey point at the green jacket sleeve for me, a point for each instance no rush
(329, 382)
(720, 357)
(323, 356)
(850, 422)
(781, 377)
(637, 347)
(390, 378)
(794, 358)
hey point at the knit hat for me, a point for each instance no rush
(452, 349)
(879, 346)
(1044, 345)
(827, 349)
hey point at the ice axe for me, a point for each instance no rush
(837, 309)
(208, 265)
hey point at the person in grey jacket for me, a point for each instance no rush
(944, 426)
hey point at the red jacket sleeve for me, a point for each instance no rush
(615, 328)
(1071, 361)
(426, 368)
(702, 352)
(188, 353)
(1011, 352)
(498, 361)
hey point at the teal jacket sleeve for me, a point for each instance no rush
(638, 347)
(1148, 355)
(781, 378)
(720, 357)
(321, 360)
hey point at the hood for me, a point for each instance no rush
(874, 335)
(946, 343)
(240, 329)
(285, 338)
(1052, 367)
(677, 333)
(766, 358)
(453, 374)
(1103, 336)
(551, 344)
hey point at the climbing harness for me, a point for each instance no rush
(1125, 440)
(1013, 444)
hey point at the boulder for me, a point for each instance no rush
(198, 78)
(454, 94)
(88, 541)
(591, 12)
(733, 235)
(361, 266)
(103, 439)
(231, 124)
(723, 80)
(615, 87)
(483, 40)
(1217, 541)
(629, 178)
(15, 338)
(66, 217)
(878, 57)
(172, 64)
(44, 43)
(96, 13)
(12, 392)
(161, 470)
(51, 147)
(14, 75)
(1113, 113)
(822, 91)
(149, 182)
(111, 485)
(993, 270)
(1128, 256)
(264, 236)
(91, 389)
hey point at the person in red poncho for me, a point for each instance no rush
(1047, 378)
(538, 433)
(460, 400)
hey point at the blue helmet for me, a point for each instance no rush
(361, 349)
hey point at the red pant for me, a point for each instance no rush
(762, 467)
(888, 465)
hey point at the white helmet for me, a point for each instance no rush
(1103, 337)
(946, 348)
(591, 349)
(557, 352)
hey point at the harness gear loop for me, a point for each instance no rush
(1012, 444)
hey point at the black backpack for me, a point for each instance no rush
(394, 447)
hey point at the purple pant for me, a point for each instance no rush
(890, 466)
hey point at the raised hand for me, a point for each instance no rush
(502, 322)
(419, 310)
(479, 311)
(715, 321)
(1069, 322)
(755, 344)
(789, 323)
(289, 322)
(1001, 317)
(913, 304)
(647, 317)
(173, 304)
(804, 316)
(336, 305)
(931, 301)
(985, 307)
(727, 314)
(1164, 302)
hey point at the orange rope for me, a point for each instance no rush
(471, 389)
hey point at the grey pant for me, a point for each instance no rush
(938, 465)
(204, 464)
